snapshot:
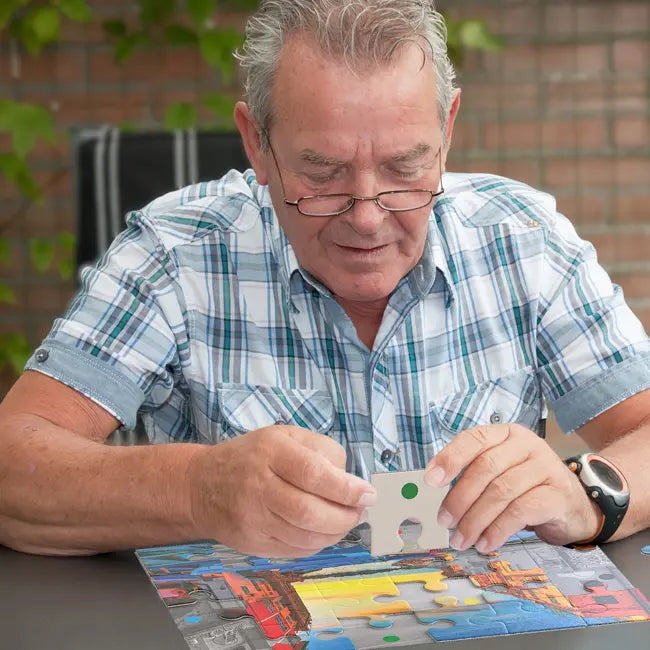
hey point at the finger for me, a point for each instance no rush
(484, 469)
(497, 497)
(308, 511)
(321, 444)
(462, 450)
(310, 472)
(531, 509)
(297, 537)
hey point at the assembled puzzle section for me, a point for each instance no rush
(344, 598)
(402, 496)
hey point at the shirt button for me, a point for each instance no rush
(386, 456)
(495, 418)
(41, 355)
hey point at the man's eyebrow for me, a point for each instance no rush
(411, 154)
(318, 158)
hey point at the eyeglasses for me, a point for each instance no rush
(331, 205)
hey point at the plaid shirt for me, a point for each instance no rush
(200, 319)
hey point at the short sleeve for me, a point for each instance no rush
(592, 351)
(123, 338)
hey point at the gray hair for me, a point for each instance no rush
(361, 32)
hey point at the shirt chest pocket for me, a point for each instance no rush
(242, 407)
(513, 398)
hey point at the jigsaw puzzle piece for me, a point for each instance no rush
(401, 496)
(464, 626)
(525, 616)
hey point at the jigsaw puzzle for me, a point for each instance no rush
(402, 496)
(344, 598)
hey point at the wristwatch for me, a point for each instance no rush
(606, 485)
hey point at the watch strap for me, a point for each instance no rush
(612, 513)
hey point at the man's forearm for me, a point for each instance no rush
(63, 494)
(631, 454)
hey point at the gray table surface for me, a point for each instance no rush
(106, 602)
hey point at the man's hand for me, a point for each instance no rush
(511, 480)
(280, 491)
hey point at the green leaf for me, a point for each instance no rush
(45, 22)
(114, 28)
(211, 45)
(126, 46)
(66, 241)
(155, 12)
(77, 10)
(19, 173)
(15, 349)
(240, 5)
(6, 294)
(7, 10)
(5, 251)
(26, 122)
(41, 253)
(180, 35)
(221, 105)
(474, 34)
(66, 268)
(180, 116)
(200, 11)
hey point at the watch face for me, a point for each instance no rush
(606, 474)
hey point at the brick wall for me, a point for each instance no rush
(565, 107)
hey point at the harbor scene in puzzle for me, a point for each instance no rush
(344, 598)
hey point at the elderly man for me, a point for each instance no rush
(342, 308)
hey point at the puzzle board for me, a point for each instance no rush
(344, 598)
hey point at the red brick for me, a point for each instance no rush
(594, 17)
(635, 285)
(579, 133)
(631, 16)
(560, 19)
(583, 57)
(632, 171)
(56, 66)
(512, 97)
(632, 132)
(616, 246)
(143, 66)
(565, 97)
(514, 59)
(631, 207)
(48, 298)
(631, 55)
(583, 208)
(511, 135)
(525, 171)
(99, 107)
(578, 172)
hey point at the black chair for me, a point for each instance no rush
(121, 171)
(116, 172)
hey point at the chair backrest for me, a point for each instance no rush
(116, 172)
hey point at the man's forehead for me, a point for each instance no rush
(315, 157)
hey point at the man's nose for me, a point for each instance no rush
(365, 216)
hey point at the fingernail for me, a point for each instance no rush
(481, 546)
(367, 499)
(456, 540)
(435, 477)
(363, 517)
(445, 518)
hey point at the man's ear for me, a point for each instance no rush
(250, 136)
(451, 120)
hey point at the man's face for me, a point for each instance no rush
(336, 132)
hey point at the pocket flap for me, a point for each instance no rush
(512, 398)
(246, 407)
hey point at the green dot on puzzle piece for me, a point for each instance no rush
(391, 639)
(410, 491)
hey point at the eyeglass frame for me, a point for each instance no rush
(352, 197)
